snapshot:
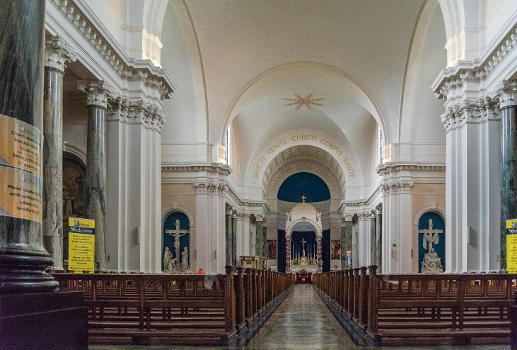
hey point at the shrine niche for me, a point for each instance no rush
(431, 243)
(176, 243)
(74, 193)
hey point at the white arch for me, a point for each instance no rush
(176, 208)
(361, 95)
(259, 165)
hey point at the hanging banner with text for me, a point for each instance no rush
(81, 245)
(20, 169)
(511, 246)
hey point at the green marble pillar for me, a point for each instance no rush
(97, 100)
(259, 237)
(507, 104)
(57, 54)
(22, 257)
(378, 241)
(229, 239)
(234, 238)
(346, 241)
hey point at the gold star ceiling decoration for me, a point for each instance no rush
(303, 101)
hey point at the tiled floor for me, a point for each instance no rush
(301, 322)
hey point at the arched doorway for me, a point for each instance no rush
(176, 243)
(431, 243)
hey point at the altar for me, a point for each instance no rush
(303, 278)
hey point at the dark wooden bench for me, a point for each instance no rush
(418, 309)
(174, 309)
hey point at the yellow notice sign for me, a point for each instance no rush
(81, 245)
(21, 145)
(20, 194)
(511, 246)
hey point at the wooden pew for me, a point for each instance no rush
(420, 309)
(175, 309)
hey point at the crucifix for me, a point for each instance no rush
(303, 198)
(177, 233)
(303, 246)
(430, 236)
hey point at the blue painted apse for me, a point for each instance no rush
(310, 185)
(423, 224)
(168, 240)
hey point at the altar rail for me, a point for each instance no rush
(420, 309)
(177, 309)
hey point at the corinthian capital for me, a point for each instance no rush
(97, 92)
(507, 94)
(58, 53)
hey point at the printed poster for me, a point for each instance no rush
(81, 245)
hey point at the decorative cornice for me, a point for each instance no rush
(58, 53)
(136, 111)
(209, 187)
(456, 76)
(126, 67)
(97, 92)
(470, 111)
(389, 168)
(396, 187)
(211, 168)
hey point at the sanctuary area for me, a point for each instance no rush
(232, 172)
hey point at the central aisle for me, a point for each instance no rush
(302, 322)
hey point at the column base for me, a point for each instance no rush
(56, 320)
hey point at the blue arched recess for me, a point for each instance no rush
(307, 184)
(423, 224)
(168, 239)
(325, 248)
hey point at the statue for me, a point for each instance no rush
(169, 263)
(184, 259)
(431, 263)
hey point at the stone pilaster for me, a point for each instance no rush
(23, 258)
(507, 104)
(97, 94)
(57, 54)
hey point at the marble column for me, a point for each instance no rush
(264, 241)
(319, 256)
(57, 54)
(23, 258)
(234, 238)
(355, 244)
(97, 93)
(378, 240)
(287, 254)
(507, 104)
(229, 239)
(258, 236)
(373, 240)
(346, 240)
